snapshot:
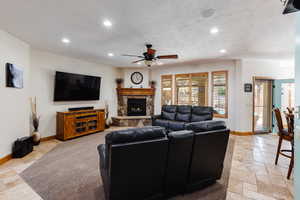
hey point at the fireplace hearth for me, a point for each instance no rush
(136, 107)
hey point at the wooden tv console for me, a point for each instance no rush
(78, 123)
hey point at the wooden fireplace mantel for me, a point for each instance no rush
(136, 91)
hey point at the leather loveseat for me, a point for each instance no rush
(145, 163)
(175, 117)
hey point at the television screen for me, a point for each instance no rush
(76, 87)
(14, 76)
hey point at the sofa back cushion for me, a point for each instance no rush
(201, 113)
(183, 113)
(168, 116)
(169, 108)
(141, 165)
(203, 167)
(180, 150)
(168, 112)
(135, 135)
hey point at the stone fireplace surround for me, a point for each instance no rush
(134, 93)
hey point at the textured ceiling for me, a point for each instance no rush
(252, 28)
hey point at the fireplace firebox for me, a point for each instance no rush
(136, 107)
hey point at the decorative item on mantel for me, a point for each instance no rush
(152, 84)
(36, 136)
(119, 82)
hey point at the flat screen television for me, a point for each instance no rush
(76, 87)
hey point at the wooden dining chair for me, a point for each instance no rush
(290, 118)
(285, 134)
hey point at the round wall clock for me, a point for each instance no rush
(137, 78)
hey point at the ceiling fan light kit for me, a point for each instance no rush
(149, 56)
(291, 6)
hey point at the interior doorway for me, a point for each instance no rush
(262, 105)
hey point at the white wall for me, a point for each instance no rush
(127, 77)
(14, 106)
(43, 67)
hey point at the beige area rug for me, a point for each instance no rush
(71, 172)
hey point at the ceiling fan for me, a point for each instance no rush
(149, 56)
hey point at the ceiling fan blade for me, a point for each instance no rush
(167, 57)
(138, 61)
(133, 56)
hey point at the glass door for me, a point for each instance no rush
(283, 97)
(262, 119)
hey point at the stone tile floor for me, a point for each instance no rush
(253, 173)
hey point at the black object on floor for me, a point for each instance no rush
(22, 147)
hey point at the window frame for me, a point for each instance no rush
(169, 76)
(225, 116)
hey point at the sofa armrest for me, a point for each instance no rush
(179, 135)
(203, 126)
(155, 117)
(103, 156)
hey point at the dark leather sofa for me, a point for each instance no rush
(147, 164)
(175, 117)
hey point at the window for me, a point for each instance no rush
(220, 93)
(192, 89)
(199, 92)
(183, 92)
(166, 89)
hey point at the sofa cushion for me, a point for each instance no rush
(168, 115)
(200, 113)
(183, 113)
(169, 108)
(161, 122)
(183, 117)
(184, 109)
(135, 134)
(206, 126)
(176, 126)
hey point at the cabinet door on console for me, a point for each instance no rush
(69, 127)
(101, 121)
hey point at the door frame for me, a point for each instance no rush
(255, 78)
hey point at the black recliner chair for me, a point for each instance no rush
(137, 156)
(178, 167)
(175, 117)
(208, 154)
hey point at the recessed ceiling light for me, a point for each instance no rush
(139, 63)
(107, 23)
(66, 40)
(110, 54)
(223, 51)
(214, 31)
